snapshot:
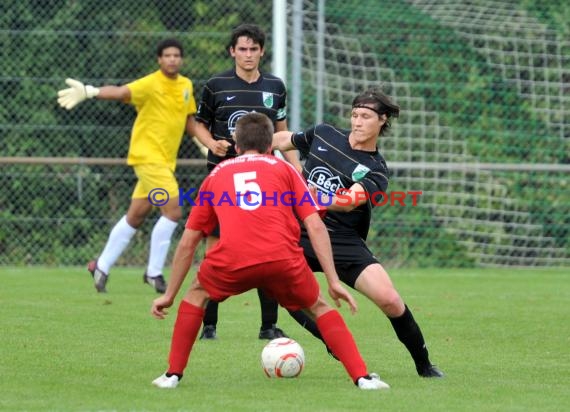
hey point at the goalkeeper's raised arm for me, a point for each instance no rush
(78, 92)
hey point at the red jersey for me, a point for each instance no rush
(256, 200)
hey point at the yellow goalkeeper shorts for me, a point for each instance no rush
(152, 177)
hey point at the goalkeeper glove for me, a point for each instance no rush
(75, 94)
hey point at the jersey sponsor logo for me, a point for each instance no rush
(322, 149)
(359, 172)
(322, 178)
(230, 98)
(234, 117)
(268, 99)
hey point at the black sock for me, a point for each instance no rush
(409, 333)
(268, 310)
(305, 321)
(168, 375)
(211, 314)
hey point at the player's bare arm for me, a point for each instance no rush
(348, 200)
(191, 125)
(78, 92)
(321, 243)
(292, 156)
(282, 141)
(204, 136)
(181, 264)
(120, 93)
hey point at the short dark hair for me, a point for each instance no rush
(381, 103)
(254, 131)
(166, 43)
(251, 31)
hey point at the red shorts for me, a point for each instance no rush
(291, 282)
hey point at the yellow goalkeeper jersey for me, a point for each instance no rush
(162, 106)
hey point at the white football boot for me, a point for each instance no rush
(372, 382)
(166, 382)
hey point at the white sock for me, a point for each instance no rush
(119, 239)
(159, 244)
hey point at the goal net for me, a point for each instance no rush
(482, 132)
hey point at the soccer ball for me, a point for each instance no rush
(282, 358)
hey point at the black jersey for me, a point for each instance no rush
(226, 97)
(332, 165)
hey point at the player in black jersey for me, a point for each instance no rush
(226, 97)
(351, 175)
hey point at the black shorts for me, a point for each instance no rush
(351, 257)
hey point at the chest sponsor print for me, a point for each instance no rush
(323, 179)
(234, 117)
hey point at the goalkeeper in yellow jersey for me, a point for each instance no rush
(165, 106)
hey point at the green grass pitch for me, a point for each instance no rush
(502, 336)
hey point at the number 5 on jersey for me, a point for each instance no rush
(248, 192)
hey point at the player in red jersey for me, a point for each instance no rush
(227, 96)
(258, 248)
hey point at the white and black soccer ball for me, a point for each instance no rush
(282, 358)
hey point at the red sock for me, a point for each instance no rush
(339, 339)
(186, 329)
